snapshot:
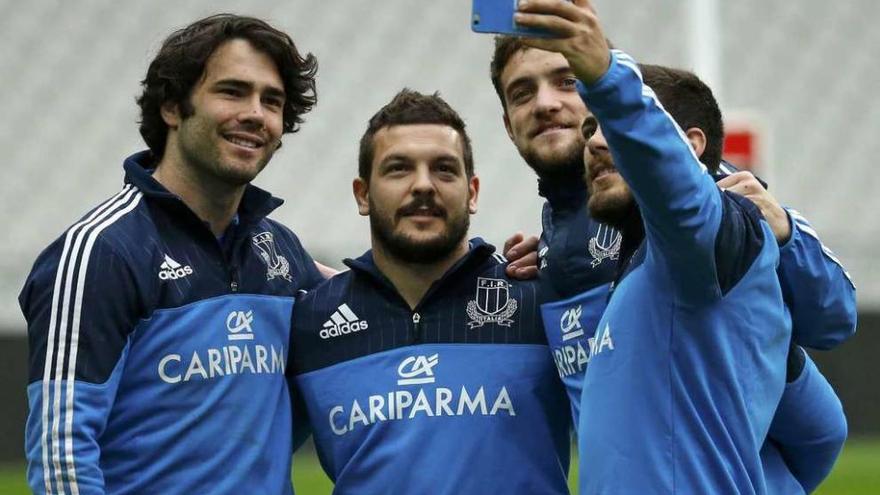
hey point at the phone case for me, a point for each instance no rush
(496, 16)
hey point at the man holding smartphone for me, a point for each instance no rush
(549, 138)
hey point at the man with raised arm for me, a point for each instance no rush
(579, 255)
(690, 356)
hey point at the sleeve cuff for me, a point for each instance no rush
(793, 226)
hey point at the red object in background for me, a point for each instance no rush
(743, 144)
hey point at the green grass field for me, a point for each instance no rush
(857, 473)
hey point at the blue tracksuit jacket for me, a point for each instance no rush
(578, 260)
(157, 352)
(579, 257)
(689, 361)
(457, 396)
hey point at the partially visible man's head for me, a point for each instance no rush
(212, 62)
(690, 103)
(542, 109)
(416, 178)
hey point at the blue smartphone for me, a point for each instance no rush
(496, 16)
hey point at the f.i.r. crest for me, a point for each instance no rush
(605, 244)
(277, 264)
(493, 303)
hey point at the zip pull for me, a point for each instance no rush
(233, 280)
(416, 332)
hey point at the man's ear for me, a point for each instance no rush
(473, 194)
(698, 140)
(171, 114)
(361, 190)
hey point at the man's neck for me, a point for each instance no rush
(412, 280)
(211, 200)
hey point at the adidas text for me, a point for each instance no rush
(176, 273)
(345, 328)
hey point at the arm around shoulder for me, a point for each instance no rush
(817, 289)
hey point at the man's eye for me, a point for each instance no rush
(569, 82)
(273, 102)
(519, 96)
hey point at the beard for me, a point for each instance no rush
(613, 203)
(563, 163)
(418, 250)
(198, 147)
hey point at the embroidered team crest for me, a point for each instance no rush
(493, 304)
(605, 244)
(277, 264)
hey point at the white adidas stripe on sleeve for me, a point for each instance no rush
(72, 261)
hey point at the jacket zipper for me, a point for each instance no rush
(233, 280)
(417, 334)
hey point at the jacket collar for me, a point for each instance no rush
(565, 188)
(255, 203)
(478, 253)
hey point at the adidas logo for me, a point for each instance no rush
(172, 270)
(342, 321)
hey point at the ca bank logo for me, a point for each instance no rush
(239, 325)
(417, 370)
(492, 303)
(277, 265)
(570, 323)
(542, 255)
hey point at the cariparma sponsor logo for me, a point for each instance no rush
(408, 404)
(226, 360)
(573, 358)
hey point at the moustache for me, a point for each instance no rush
(599, 162)
(422, 205)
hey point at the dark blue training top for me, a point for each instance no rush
(458, 395)
(157, 353)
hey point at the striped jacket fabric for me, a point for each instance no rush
(458, 395)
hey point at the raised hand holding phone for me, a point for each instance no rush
(496, 17)
(578, 34)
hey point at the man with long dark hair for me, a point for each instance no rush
(159, 323)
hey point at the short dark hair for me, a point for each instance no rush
(181, 61)
(505, 48)
(691, 103)
(410, 107)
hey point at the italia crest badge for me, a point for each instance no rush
(277, 264)
(605, 244)
(492, 304)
